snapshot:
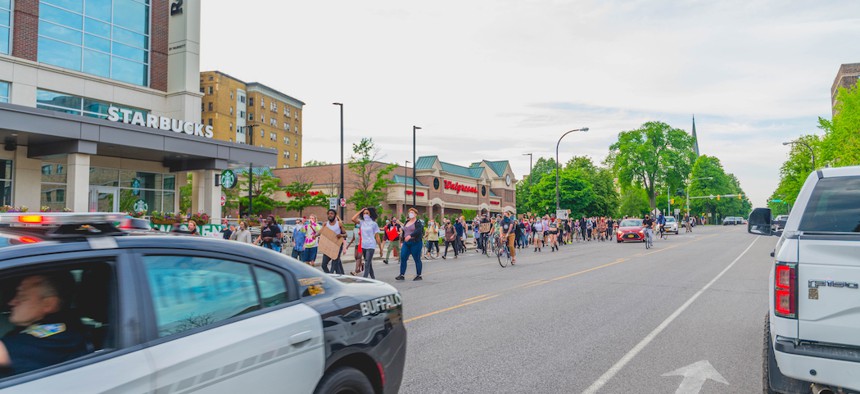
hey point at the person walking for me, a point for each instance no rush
(485, 227)
(312, 233)
(460, 226)
(335, 225)
(298, 239)
(242, 234)
(359, 265)
(508, 228)
(366, 221)
(432, 238)
(413, 230)
(450, 239)
(270, 234)
(392, 233)
(538, 230)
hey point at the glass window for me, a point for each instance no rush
(189, 292)
(6, 182)
(5, 25)
(833, 206)
(61, 102)
(115, 33)
(273, 287)
(4, 92)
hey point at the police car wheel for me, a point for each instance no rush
(344, 380)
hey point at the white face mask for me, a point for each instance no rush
(366, 217)
(412, 215)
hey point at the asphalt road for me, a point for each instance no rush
(593, 317)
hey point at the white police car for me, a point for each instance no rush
(178, 314)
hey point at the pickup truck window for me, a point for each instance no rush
(833, 207)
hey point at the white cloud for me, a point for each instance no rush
(495, 79)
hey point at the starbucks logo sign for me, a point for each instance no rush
(141, 206)
(228, 179)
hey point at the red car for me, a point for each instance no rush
(630, 230)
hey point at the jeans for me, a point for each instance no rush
(432, 245)
(453, 244)
(368, 262)
(410, 249)
(336, 264)
(392, 245)
(296, 254)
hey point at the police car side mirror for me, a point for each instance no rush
(760, 222)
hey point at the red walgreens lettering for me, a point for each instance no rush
(456, 186)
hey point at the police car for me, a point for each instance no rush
(92, 308)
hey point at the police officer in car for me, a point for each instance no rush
(45, 334)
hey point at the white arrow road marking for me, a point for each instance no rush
(695, 376)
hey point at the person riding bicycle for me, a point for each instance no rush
(661, 221)
(648, 225)
(508, 228)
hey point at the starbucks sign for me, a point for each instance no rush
(228, 179)
(141, 206)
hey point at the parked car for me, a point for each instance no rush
(779, 222)
(810, 330)
(732, 220)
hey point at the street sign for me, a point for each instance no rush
(332, 202)
(775, 200)
(228, 179)
(343, 202)
(677, 211)
(223, 200)
(561, 214)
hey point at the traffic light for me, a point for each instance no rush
(672, 201)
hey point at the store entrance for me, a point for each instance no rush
(104, 199)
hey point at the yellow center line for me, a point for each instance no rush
(450, 308)
(476, 297)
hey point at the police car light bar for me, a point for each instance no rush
(58, 218)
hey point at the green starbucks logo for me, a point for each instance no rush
(228, 179)
(141, 206)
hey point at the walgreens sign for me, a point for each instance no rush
(459, 187)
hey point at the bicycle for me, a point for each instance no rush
(503, 253)
(490, 246)
(663, 233)
(649, 238)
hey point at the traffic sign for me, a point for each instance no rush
(677, 211)
(561, 214)
(223, 200)
(343, 202)
(775, 200)
(332, 202)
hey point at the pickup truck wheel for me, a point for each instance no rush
(344, 380)
(773, 381)
(767, 354)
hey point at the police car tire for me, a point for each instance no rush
(344, 379)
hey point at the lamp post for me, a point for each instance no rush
(414, 129)
(405, 175)
(250, 172)
(811, 152)
(341, 158)
(668, 206)
(690, 182)
(530, 166)
(557, 202)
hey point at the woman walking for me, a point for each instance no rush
(359, 265)
(432, 238)
(450, 239)
(312, 233)
(538, 230)
(366, 220)
(413, 230)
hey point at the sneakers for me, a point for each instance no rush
(399, 277)
(443, 257)
(385, 261)
(418, 278)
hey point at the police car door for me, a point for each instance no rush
(229, 326)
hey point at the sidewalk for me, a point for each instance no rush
(349, 257)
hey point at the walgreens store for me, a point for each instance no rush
(100, 108)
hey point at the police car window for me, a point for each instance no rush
(273, 287)
(833, 206)
(190, 292)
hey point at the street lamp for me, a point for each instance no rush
(530, 166)
(690, 182)
(414, 129)
(557, 203)
(341, 158)
(668, 206)
(811, 152)
(405, 175)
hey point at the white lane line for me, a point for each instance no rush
(609, 374)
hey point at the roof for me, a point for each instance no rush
(426, 162)
(407, 180)
(471, 172)
(498, 167)
(262, 88)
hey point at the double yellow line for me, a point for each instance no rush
(540, 282)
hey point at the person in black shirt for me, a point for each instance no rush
(648, 225)
(44, 334)
(270, 234)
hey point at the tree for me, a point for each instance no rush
(643, 157)
(372, 176)
(841, 144)
(315, 163)
(263, 189)
(301, 198)
(633, 201)
(719, 184)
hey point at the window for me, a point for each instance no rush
(75, 105)
(156, 189)
(202, 107)
(211, 90)
(4, 92)
(262, 133)
(242, 114)
(297, 142)
(210, 121)
(190, 292)
(231, 126)
(287, 126)
(5, 25)
(250, 101)
(211, 78)
(250, 116)
(833, 206)
(202, 90)
(286, 154)
(242, 99)
(295, 156)
(6, 182)
(106, 38)
(286, 111)
(262, 102)
(273, 136)
(231, 95)
(231, 110)
(210, 106)
(262, 118)
(297, 129)
(53, 184)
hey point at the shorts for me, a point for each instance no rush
(296, 254)
(309, 254)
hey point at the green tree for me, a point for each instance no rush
(719, 184)
(643, 157)
(633, 201)
(841, 144)
(315, 163)
(604, 198)
(185, 195)
(263, 188)
(301, 198)
(371, 176)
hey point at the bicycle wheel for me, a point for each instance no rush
(503, 261)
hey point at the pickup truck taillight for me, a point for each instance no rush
(785, 290)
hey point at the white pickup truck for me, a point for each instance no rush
(812, 330)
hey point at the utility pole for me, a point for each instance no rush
(250, 173)
(414, 129)
(341, 157)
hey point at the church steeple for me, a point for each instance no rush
(695, 139)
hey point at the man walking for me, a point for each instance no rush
(298, 239)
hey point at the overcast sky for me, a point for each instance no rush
(496, 79)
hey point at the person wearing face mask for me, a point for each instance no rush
(298, 239)
(432, 238)
(312, 233)
(334, 224)
(270, 234)
(366, 220)
(242, 234)
(413, 231)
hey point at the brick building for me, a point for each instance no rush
(253, 113)
(846, 77)
(441, 188)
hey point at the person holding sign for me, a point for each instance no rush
(366, 220)
(334, 224)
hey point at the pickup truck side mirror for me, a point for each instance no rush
(760, 222)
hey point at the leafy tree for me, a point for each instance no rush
(315, 163)
(302, 199)
(841, 144)
(643, 157)
(263, 189)
(185, 195)
(633, 201)
(372, 176)
(605, 199)
(719, 184)
(575, 193)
